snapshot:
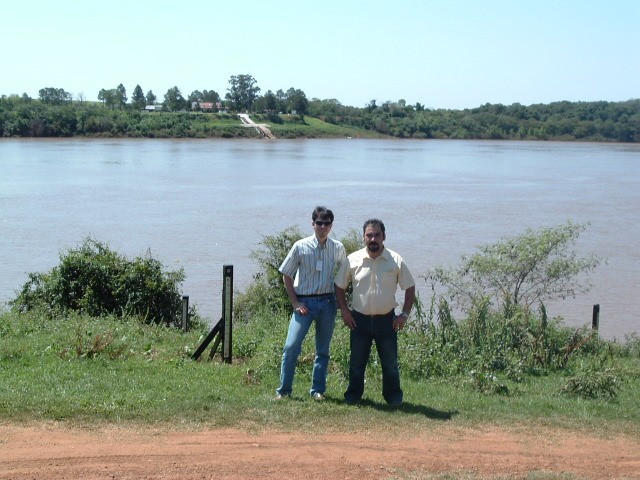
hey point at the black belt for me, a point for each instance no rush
(384, 315)
(320, 295)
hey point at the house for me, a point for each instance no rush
(204, 106)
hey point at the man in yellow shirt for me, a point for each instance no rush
(375, 273)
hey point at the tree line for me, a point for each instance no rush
(55, 113)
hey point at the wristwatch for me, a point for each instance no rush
(404, 314)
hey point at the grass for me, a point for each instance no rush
(84, 370)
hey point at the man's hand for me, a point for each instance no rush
(399, 322)
(301, 308)
(348, 320)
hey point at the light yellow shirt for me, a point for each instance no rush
(375, 281)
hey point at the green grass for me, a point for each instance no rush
(84, 370)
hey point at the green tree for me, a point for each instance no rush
(120, 96)
(297, 101)
(54, 96)
(195, 96)
(109, 97)
(242, 93)
(151, 98)
(173, 99)
(138, 101)
(210, 96)
(535, 266)
(266, 103)
(281, 101)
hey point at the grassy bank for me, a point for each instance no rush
(85, 370)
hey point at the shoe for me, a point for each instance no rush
(280, 396)
(318, 397)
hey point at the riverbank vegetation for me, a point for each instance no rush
(289, 114)
(506, 366)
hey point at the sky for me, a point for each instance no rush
(451, 54)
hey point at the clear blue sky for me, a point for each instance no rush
(441, 53)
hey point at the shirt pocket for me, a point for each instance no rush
(389, 279)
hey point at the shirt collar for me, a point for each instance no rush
(385, 254)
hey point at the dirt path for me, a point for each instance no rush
(53, 452)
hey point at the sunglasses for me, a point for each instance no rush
(322, 224)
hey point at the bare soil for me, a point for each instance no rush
(53, 451)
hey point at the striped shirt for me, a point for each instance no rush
(313, 266)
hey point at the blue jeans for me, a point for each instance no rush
(369, 329)
(323, 310)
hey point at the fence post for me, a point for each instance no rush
(227, 312)
(185, 313)
(595, 320)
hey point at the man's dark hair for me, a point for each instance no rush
(374, 222)
(323, 213)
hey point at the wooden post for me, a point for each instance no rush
(222, 329)
(227, 312)
(185, 313)
(595, 320)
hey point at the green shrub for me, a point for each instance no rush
(594, 379)
(95, 280)
(267, 290)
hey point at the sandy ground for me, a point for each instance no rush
(51, 451)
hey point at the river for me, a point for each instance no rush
(200, 204)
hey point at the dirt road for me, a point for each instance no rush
(51, 451)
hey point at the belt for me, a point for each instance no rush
(320, 295)
(384, 315)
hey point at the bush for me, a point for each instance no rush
(536, 266)
(594, 380)
(267, 290)
(95, 280)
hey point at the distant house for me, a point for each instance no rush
(204, 106)
(153, 108)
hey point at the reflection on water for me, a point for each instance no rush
(201, 204)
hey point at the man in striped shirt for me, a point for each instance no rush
(308, 273)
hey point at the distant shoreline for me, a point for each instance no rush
(617, 122)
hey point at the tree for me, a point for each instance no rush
(151, 98)
(297, 101)
(54, 96)
(173, 100)
(137, 98)
(266, 103)
(281, 101)
(196, 96)
(210, 96)
(243, 92)
(535, 266)
(110, 98)
(120, 96)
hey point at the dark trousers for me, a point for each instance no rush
(378, 328)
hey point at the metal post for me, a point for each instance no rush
(595, 320)
(227, 312)
(185, 313)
